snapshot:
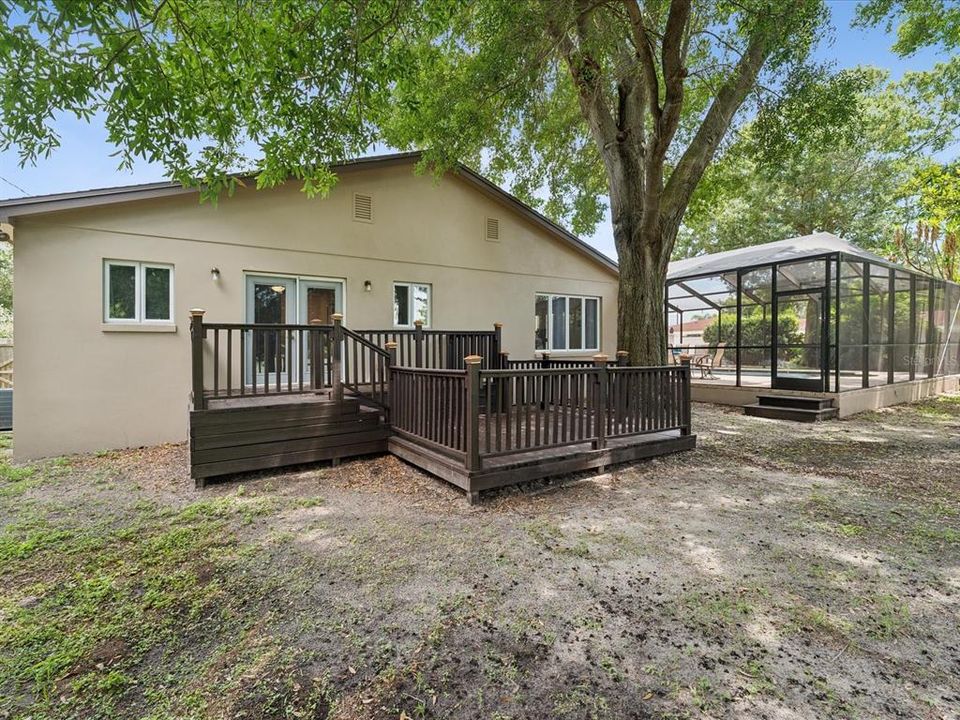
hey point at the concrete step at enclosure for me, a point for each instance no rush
(798, 408)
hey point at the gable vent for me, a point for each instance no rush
(362, 207)
(493, 229)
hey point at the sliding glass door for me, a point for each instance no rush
(282, 300)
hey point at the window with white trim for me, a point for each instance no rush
(411, 302)
(137, 292)
(567, 322)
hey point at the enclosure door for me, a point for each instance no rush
(799, 358)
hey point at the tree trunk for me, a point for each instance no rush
(641, 323)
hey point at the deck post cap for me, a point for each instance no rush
(197, 312)
(621, 353)
(316, 321)
(498, 325)
(600, 359)
(504, 352)
(418, 323)
(473, 359)
(337, 317)
(390, 345)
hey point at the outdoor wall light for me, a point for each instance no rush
(367, 286)
(215, 274)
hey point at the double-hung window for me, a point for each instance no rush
(411, 302)
(567, 322)
(137, 292)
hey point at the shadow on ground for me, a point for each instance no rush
(779, 571)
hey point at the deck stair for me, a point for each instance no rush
(799, 408)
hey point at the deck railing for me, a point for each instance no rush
(478, 414)
(232, 360)
(430, 406)
(438, 349)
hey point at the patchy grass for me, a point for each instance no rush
(778, 570)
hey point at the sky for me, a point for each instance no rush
(84, 159)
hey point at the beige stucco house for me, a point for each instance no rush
(104, 280)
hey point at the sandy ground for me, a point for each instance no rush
(778, 571)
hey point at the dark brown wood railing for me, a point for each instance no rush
(366, 367)
(646, 400)
(532, 409)
(243, 359)
(231, 360)
(477, 415)
(439, 349)
(430, 406)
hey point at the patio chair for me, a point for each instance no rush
(707, 363)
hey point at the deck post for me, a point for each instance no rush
(418, 343)
(336, 363)
(472, 379)
(685, 428)
(602, 411)
(623, 358)
(316, 356)
(391, 347)
(545, 360)
(504, 360)
(197, 334)
(497, 341)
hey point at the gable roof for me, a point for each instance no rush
(796, 248)
(695, 325)
(13, 208)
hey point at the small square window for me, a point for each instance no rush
(411, 302)
(136, 292)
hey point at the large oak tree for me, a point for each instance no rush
(578, 100)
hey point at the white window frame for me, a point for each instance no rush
(583, 325)
(139, 289)
(409, 285)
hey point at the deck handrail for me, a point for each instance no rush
(437, 348)
(499, 413)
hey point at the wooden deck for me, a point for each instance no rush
(479, 424)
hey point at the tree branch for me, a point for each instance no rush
(700, 152)
(586, 74)
(644, 46)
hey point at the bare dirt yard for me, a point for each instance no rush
(778, 571)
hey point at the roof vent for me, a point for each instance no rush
(362, 207)
(493, 229)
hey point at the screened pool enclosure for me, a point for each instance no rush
(814, 313)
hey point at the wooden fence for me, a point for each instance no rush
(6, 363)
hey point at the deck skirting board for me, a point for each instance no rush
(263, 436)
(231, 440)
(513, 471)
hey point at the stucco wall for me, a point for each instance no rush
(82, 387)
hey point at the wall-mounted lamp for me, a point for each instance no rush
(215, 274)
(367, 286)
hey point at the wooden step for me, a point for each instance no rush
(772, 412)
(265, 434)
(800, 402)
